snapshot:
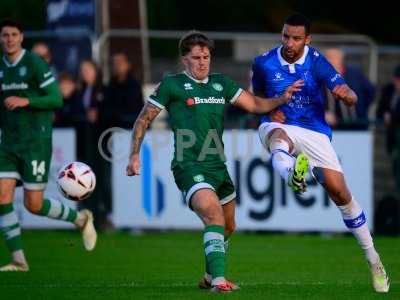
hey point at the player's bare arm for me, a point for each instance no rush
(275, 115)
(146, 116)
(344, 93)
(13, 102)
(255, 104)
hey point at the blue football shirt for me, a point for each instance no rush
(272, 75)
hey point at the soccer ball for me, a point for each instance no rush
(76, 181)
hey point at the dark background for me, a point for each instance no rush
(374, 19)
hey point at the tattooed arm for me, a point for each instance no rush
(143, 121)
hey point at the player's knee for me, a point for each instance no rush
(214, 215)
(6, 195)
(32, 205)
(278, 140)
(5, 198)
(205, 203)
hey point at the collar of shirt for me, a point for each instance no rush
(205, 80)
(8, 64)
(300, 61)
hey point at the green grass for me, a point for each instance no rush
(169, 265)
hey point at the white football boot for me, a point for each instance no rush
(14, 267)
(380, 280)
(89, 234)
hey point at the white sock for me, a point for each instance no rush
(371, 255)
(19, 257)
(354, 218)
(218, 280)
(282, 161)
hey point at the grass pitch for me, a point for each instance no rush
(169, 265)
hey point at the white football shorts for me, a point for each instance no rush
(316, 146)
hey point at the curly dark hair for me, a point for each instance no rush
(194, 38)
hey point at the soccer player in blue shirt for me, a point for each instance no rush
(303, 140)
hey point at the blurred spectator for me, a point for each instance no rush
(338, 115)
(68, 88)
(124, 100)
(43, 50)
(90, 95)
(122, 104)
(388, 111)
(237, 118)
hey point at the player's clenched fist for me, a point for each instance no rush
(344, 93)
(13, 102)
(133, 166)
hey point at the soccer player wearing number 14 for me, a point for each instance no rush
(29, 94)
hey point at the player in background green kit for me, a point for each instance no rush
(195, 101)
(29, 94)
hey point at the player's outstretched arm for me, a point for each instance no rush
(143, 121)
(345, 93)
(255, 104)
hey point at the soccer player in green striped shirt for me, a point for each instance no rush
(29, 94)
(195, 101)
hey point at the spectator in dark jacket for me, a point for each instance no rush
(43, 50)
(90, 92)
(388, 111)
(90, 96)
(124, 100)
(338, 115)
(64, 115)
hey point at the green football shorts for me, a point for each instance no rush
(197, 177)
(29, 163)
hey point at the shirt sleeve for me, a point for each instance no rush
(161, 95)
(326, 73)
(43, 74)
(257, 78)
(50, 97)
(232, 90)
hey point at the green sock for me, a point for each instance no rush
(214, 250)
(10, 228)
(226, 247)
(55, 209)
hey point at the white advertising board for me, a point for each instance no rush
(152, 199)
